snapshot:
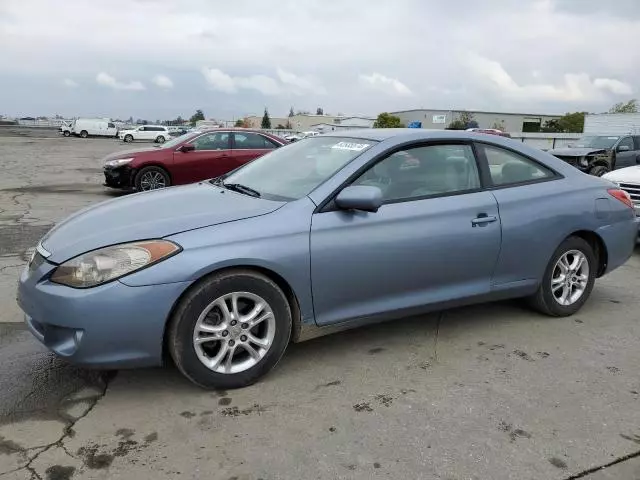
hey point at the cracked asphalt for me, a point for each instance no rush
(485, 392)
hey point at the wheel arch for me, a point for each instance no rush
(276, 278)
(599, 248)
(136, 170)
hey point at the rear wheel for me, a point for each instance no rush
(599, 170)
(230, 330)
(568, 279)
(152, 178)
(160, 139)
(84, 134)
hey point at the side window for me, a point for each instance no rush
(626, 142)
(509, 168)
(142, 129)
(424, 171)
(251, 141)
(636, 140)
(212, 141)
(111, 125)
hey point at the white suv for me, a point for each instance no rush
(157, 133)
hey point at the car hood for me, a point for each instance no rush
(129, 153)
(624, 175)
(150, 215)
(575, 152)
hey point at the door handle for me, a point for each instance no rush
(483, 219)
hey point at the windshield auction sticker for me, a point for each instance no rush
(355, 147)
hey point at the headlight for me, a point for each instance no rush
(109, 263)
(119, 162)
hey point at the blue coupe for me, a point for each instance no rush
(327, 233)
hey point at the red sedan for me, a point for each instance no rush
(189, 158)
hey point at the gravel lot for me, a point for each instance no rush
(487, 392)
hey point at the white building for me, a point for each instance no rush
(612, 123)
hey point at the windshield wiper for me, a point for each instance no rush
(238, 187)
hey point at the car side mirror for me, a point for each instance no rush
(360, 197)
(623, 148)
(186, 148)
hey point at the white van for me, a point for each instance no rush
(94, 127)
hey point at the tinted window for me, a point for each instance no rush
(637, 142)
(142, 129)
(424, 171)
(509, 168)
(246, 141)
(111, 125)
(626, 142)
(212, 141)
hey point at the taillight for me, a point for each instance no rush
(621, 195)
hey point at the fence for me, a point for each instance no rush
(546, 141)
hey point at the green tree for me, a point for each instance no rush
(457, 125)
(239, 123)
(319, 111)
(568, 123)
(625, 107)
(291, 112)
(386, 120)
(465, 120)
(196, 116)
(266, 121)
(280, 127)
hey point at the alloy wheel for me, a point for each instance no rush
(234, 332)
(152, 181)
(570, 277)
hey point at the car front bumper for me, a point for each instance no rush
(118, 177)
(109, 326)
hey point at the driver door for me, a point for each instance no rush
(436, 238)
(627, 156)
(210, 158)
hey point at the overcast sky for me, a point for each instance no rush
(156, 59)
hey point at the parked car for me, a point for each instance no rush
(186, 159)
(599, 154)
(93, 127)
(628, 179)
(489, 131)
(324, 234)
(155, 133)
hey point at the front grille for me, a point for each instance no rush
(633, 190)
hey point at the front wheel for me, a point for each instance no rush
(152, 178)
(599, 170)
(568, 279)
(230, 330)
(67, 133)
(128, 138)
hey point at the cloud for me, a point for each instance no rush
(381, 83)
(162, 81)
(107, 80)
(301, 84)
(289, 83)
(574, 87)
(68, 82)
(615, 86)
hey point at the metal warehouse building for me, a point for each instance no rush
(508, 122)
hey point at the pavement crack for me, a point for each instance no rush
(591, 470)
(435, 346)
(67, 432)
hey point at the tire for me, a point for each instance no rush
(67, 133)
(84, 134)
(196, 308)
(599, 170)
(128, 138)
(160, 139)
(152, 178)
(545, 300)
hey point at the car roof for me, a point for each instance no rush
(408, 134)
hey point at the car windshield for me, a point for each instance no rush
(178, 140)
(293, 171)
(600, 141)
